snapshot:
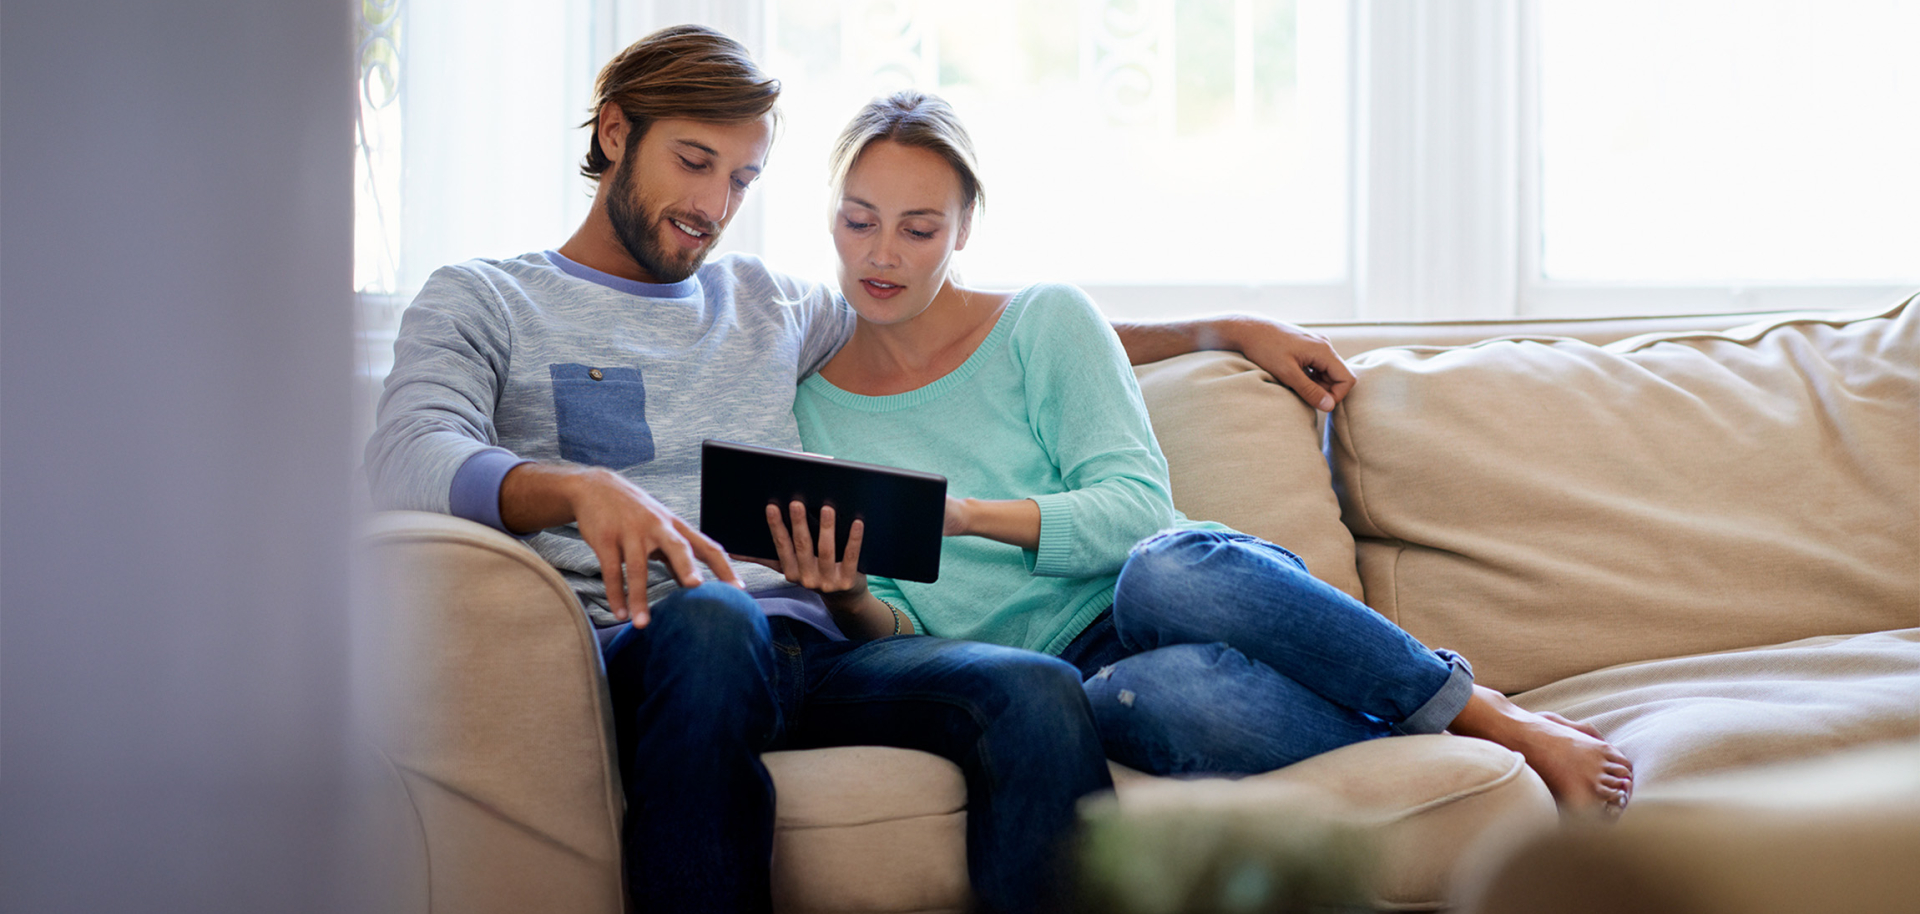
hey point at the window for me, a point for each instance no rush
(1313, 159)
(1167, 156)
(1696, 144)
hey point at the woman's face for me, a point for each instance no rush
(899, 221)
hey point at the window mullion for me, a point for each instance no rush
(1438, 206)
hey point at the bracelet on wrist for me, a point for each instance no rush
(897, 614)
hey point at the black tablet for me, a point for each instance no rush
(904, 511)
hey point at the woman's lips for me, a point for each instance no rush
(879, 289)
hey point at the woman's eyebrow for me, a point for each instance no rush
(922, 211)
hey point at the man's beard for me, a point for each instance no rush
(639, 231)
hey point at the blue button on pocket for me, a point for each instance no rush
(601, 415)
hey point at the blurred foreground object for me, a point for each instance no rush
(1839, 834)
(1208, 847)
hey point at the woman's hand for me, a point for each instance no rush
(838, 581)
(812, 565)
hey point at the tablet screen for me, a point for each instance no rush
(903, 510)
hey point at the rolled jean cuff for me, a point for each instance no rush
(1446, 704)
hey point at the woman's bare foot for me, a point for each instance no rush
(1587, 775)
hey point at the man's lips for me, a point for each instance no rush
(690, 231)
(880, 289)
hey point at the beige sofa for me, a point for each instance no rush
(1700, 535)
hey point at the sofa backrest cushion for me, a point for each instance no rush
(1244, 451)
(1549, 507)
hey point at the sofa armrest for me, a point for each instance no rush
(487, 697)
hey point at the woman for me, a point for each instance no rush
(1203, 649)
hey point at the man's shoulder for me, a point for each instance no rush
(752, 284)
(488, 273)
(739, 269)
(510, 270)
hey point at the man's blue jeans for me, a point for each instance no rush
(1223, 655)
(712, 682)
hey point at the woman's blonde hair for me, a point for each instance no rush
(915, 119)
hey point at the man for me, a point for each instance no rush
(562, 396)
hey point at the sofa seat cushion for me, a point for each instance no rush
(1425, 800)
(868, 829)
(1549, 507)
(1245, 451)
(1689, 716)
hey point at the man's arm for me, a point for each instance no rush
(623, 524)
(432, 450)
(1303, 361)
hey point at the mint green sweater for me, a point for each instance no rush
(1048, 409)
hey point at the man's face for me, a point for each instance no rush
(676, 190)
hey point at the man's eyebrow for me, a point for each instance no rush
(709, 150)
(922, 211)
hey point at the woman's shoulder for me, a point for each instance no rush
(1062, 294)
(1054, 310)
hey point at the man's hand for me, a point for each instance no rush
(623, 525)
(1302, 360)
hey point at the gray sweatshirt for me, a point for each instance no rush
(540, 358)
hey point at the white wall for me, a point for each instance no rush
(175, 269)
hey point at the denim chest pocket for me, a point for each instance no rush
(600, 415)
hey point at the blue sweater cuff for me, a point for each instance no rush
(476, 488)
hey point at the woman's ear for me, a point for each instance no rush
(966, 229)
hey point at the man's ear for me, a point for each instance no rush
(612, 128)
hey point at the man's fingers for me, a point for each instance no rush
(674, 551)
(1300, 382)
(611, 573)
(1334, 375)
(711, 554)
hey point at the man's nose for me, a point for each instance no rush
(714, 199)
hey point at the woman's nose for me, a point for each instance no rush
(881, 254)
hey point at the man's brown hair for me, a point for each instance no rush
(684, 71)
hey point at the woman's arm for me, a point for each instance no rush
(1302, 360)
(1013, 521)
(1084, 410)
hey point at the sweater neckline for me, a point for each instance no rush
(937, 388)
(685, 288)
